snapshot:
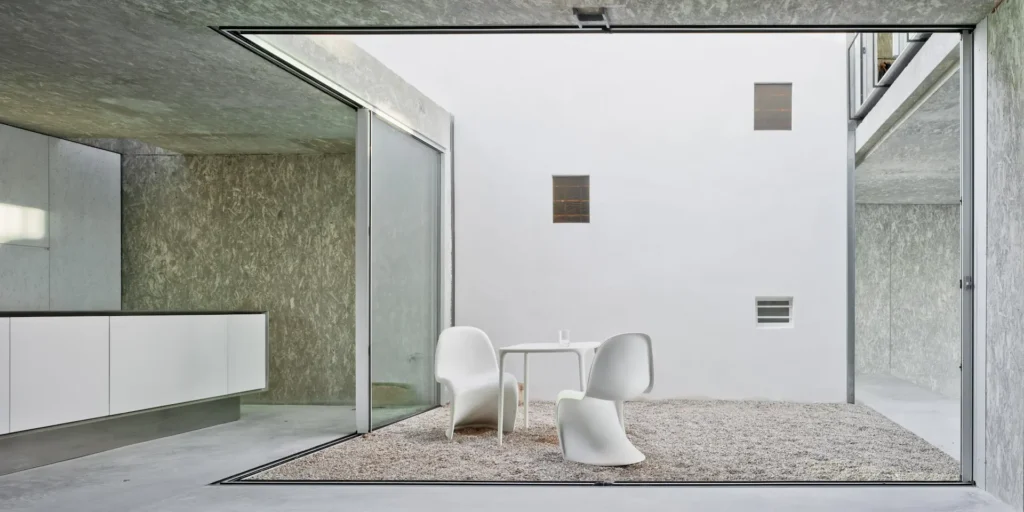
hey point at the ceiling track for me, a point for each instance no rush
(575, 29)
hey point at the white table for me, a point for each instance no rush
(578, 348)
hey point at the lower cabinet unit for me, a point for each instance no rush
(247, 353)
(59, 370)
(166, 359)
(64, 369)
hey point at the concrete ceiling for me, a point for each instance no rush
(151, 69)
(101, 69)
(919, 161)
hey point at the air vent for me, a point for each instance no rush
(591, 17)
(774, 311)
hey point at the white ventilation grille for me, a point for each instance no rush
(774, 311)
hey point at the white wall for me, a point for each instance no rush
(693, 213)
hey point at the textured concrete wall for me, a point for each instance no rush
(907, 298)
(1005, 323)
(265, 232)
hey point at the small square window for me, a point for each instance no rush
(570, 199)
(773, 106)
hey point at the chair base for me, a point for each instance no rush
(477, 406)
(590, 432)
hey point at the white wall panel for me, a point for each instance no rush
(24, 278)
(59, 370)
(247, 352)
(163, 360)
(23, 187)
(5, 375)
(693, 213)
(85, 227)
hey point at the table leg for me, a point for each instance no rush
(583, 386)
(526, 390)
(501, 396)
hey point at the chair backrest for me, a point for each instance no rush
(623, 368)
(464, 351)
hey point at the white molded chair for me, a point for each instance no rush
(465, 364)
(591, 425)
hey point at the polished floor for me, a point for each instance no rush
(933, 417)
(173, 475)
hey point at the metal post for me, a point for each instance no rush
(851, 260)
(967, 256)
(363, 398)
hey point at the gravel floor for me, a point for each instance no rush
(684, 440)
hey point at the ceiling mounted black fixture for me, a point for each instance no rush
(591, 17)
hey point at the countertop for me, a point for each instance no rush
(15, 314)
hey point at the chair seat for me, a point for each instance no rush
(569, 394)
(478, 381)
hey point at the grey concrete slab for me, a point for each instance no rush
(140, 475)
(919, 161)
(933, 417)
(172, 475)
(516, 499)
(1004, 374)
(40, 447)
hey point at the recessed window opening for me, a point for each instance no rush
(570, 199)
(773, 106)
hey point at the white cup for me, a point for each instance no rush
(563, 337)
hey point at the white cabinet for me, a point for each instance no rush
(59, 370)
(164, 359)
(247, 353)
(5, 375)
(56, 370)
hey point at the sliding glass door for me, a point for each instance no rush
(404, 276)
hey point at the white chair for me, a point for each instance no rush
(466, 365)
(591, 425)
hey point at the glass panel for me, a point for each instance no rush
(908, 268)
(856, 81)
(886, 51)
(404, 261)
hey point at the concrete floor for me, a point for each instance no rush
(933, 417)
(172, 475)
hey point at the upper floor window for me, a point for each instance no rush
(773, 106)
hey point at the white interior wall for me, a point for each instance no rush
(693, 213)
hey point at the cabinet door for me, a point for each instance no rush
(247, 353)
(5, 375)
(85, 228)
(59, 370)
(166, 359)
